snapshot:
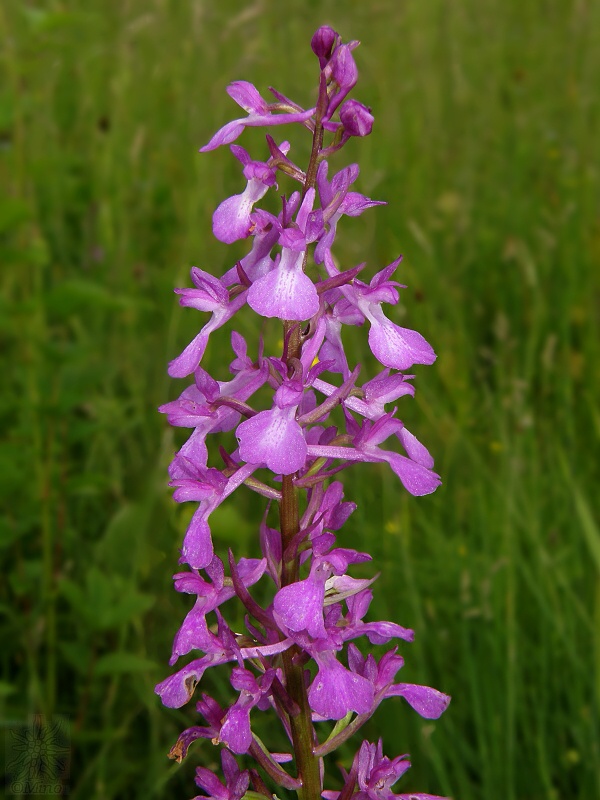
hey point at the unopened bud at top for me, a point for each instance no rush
(356, 118)
(323, 43)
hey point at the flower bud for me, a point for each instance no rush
(343, 68)
(323, 42)
(356, 118)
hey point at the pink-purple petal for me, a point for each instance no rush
(285, 294)
(335, 691)
(300, 607)
(416, 479)
(396, 347)
(231, 220)
(235, 732)
(188, 360)
(428, 702)
(225, 135)
(273, 438)
(248, 97)
(416, 451)
(197, 550)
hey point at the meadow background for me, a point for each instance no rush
(486, 147)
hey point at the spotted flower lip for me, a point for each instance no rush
(292, 630)
(335, 690)
(275, 439)
(232, 218)
(286, 291)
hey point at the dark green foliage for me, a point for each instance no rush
(486, 148)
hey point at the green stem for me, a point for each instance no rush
(317, 144)
(303, 734)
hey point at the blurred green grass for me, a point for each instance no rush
(486, 149)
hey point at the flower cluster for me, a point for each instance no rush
(298, 657)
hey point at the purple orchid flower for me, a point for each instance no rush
(194, 633)
(235, 731)
(416, 475)
(338, 201)
(209, 295)
(376, 774)
(260, 114)
(209, 488)
(274, 437)
(265, 229)
(336, 691)
(393, 346)
(286, 291)
(231, 220)
(201, 406)
(236, 781)
(284, 627)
